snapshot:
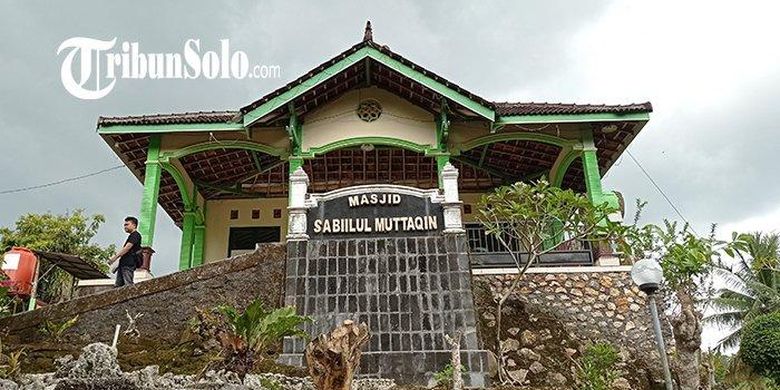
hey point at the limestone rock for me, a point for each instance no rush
(97, 360)
(529, 354)
(537, 368)
(37, 381)
(510, 345)
(518, 376)
(513, 331)
(556, 379)
(6, 384)
(528, 338)
(373, 384)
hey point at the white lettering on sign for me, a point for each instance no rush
(380, 224)
(374, 199)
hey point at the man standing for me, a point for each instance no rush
(128, 254)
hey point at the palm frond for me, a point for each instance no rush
(728, 319)
(730, 341)
(725, 302)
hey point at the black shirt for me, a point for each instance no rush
(128, 259)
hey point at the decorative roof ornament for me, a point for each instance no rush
(369, 110)
(368, 35)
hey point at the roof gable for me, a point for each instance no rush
(414, 79)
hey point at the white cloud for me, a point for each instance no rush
(766, 222)
(683, 52)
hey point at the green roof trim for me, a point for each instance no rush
(571, 118)
(513, 136)
(428, 150)
(234, 144)
(169, 128)
(366, 52)
(440, 88)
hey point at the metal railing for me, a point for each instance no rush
(487, 251)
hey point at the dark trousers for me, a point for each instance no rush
(124, 276)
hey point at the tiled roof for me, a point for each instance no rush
(506, 108)
(384, 49)
(166, 119)
(501, 108)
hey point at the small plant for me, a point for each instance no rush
(55, 330)
(270, 384)
(245, 337)
(11, 363)
(596, 367)
(444, 376)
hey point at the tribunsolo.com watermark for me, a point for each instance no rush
(91, 67)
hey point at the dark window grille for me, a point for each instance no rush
(488, 250)
(246, 238)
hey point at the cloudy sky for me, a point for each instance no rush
(711, 70)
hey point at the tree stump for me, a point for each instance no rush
(333, 358)
(457, 375)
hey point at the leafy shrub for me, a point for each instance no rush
(245, 336)
(596, 367)
(55, 330)
(760, 345)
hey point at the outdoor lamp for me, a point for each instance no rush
(648, 275)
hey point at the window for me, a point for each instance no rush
(255, 214)
(233, 214)
(245, 239)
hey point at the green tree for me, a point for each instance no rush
(752, 286)
(69, 233)
(760, 347)
(687, 261)
(530, 220)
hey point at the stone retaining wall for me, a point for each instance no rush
(166, 304)
(564, 312)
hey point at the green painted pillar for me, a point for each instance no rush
(441, 161)
(295, 163)
(152, 176)
(187, 238)
(590, 166)
(199, 238)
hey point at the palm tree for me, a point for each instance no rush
(752, 286)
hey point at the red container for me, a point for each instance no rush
(19, 264)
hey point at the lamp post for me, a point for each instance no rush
(648, 275)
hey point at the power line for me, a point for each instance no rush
(70, 179)
(657, 187)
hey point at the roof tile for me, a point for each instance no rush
(507, 108)
(167, 119)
